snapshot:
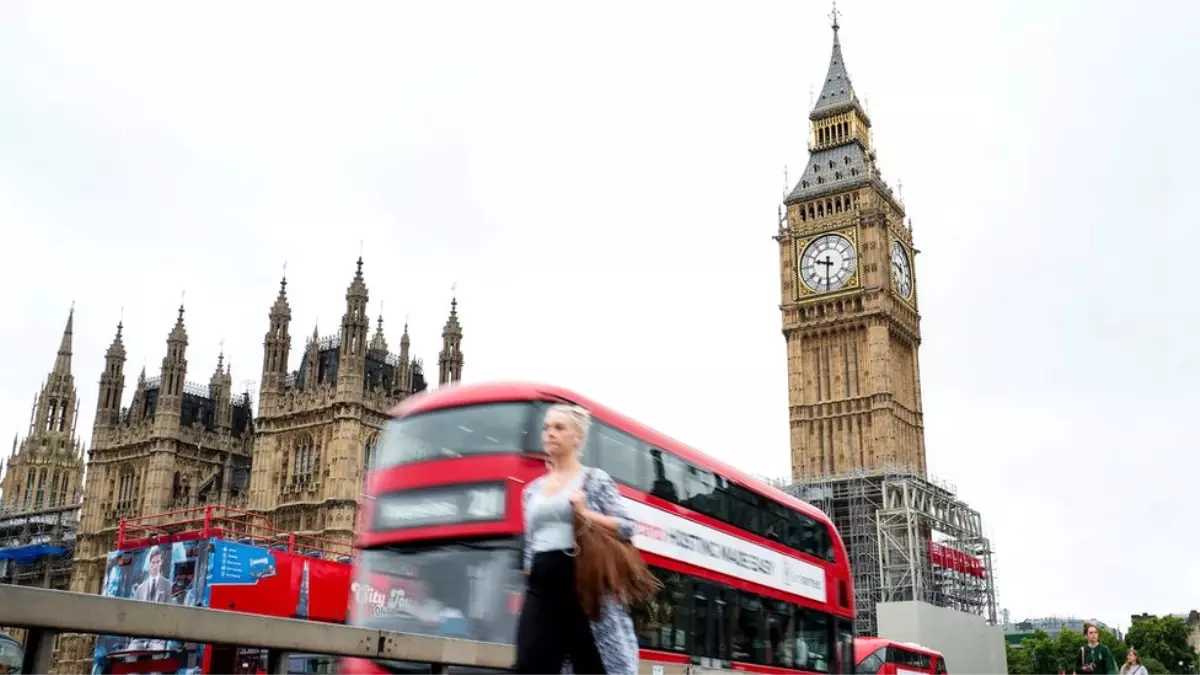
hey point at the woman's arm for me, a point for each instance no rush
(528, 550)
(610, 511)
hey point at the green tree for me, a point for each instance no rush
(1163, 639)
(1018, 659)
(1040, 654)
(1154, 666)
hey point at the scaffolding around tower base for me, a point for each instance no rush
(908, 538)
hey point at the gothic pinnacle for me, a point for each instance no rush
(62, 363)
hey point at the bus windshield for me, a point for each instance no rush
(458, 432)
(466, 589)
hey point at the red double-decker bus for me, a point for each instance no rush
(880, 656)
(754, 579)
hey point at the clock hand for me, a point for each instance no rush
(828, 263)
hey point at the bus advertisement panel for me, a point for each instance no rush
(754, 579)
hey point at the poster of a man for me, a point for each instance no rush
(155, 587)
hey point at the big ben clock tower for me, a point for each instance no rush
(849, 301)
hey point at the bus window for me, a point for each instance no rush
(872, 663)
(668, 475)
(701, 493)
(812, 640)
(941, 666)
(904, 658)
(621, 455)
(457, 432)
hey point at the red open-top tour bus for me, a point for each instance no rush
(220, 558)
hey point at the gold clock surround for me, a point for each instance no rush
(852, 284)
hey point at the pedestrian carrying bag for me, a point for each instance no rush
(607, 565)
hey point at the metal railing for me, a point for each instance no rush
(45, 613)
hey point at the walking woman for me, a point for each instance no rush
(1133, 663)
(1094, 658)
(553, 626)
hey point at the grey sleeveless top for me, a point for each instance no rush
(551, 521)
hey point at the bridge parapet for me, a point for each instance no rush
(46, 613)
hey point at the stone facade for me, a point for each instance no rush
(848, 301)
(300, 461)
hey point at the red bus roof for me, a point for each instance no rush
(473, 394)
(865, 646)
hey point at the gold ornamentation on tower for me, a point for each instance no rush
(848, 300)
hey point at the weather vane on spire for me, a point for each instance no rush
(834, 15)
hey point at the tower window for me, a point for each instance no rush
(846, 160)
(303, 461)
(804, 183)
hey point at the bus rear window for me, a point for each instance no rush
(459, 432)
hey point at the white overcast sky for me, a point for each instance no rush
(602, 185)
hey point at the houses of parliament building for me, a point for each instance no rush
(299, 460)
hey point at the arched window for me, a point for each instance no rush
(368, 460)
(53, 489)
(41, 490)
(303, 460)
(127, 490)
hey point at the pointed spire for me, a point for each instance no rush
(378, 343)
(281, 309)
(178, 333)
(837, 91)
(840, 153)
(62, 363)
(452, 325)
(358, 287)
(117, 349)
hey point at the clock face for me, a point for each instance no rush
(901, 271)
(828, 263)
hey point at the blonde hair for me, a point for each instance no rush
(578, 416)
